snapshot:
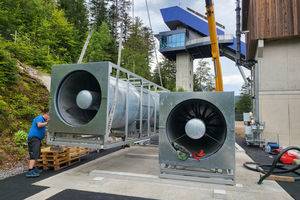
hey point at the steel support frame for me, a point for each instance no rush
(92, 143)
(227, 177)
(103, 143)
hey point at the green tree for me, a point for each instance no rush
(104, 15)
(99, 45)
(168, 74)
(243, 104)
(8, 68)
(100, 7)
(126, 26)
(12, 10)
(107, 43)
(25, 14)
(117, 13)
(44, 35)
(203, 79)
(62, 36)
(77, 14)
(8, 19)
(139, 47)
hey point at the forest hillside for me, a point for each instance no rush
(38, 34)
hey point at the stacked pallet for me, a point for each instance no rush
(60, 159)
(76, 152)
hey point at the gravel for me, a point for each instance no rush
(9, 173)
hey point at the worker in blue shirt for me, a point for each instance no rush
(36, 134)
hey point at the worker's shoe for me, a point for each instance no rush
(38, 170)
(32, 174)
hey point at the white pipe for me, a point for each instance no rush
(256, 93)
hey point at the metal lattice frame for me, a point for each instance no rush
(95, 133)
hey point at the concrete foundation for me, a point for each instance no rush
(137, 176)
(279, 90)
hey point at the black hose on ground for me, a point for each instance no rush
(280, 166)
(258, 165)
(275, 163)
(285, 170)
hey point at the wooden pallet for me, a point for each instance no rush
(60, 159)
(83, 151)
(78, 151)
(53, 157)
(62, 165)
(73, 152)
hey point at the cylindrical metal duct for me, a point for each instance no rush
(145, 100)
(78, 98)
(133, 103)
(197, 125)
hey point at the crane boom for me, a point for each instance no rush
(214, 44)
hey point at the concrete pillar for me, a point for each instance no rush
(184, 71)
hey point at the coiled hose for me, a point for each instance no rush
(273, 166)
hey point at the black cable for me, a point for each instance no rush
(259, 168)
(260, 165)
(275, 163)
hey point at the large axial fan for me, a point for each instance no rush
(82, 96)
(197, 121)
(197, 125)
(78, 98)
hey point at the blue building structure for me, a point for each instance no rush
(188, 39)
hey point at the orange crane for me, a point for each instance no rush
(214, 44)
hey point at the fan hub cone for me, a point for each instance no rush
(195, 128)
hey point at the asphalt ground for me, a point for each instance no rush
(258, 155)
(77, 194)
(20, 187)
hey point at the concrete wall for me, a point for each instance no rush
(193, 35)
(184, 71)
(279, 91)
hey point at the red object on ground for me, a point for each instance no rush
(200, 154)
(195, 157)
(286, 159)
(291, 155)
(277, 150)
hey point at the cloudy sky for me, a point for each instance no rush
(224, 14)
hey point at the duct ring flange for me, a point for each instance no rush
(78, 98)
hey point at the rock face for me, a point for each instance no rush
(43, 77)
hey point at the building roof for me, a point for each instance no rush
(176, 16)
